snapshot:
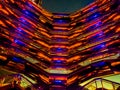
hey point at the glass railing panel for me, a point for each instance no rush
(107, 85)
(98, 83)
(91, 86)
(101, 84)
(19, 80)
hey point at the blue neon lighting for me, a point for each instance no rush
(23, 22)
(99, 64)
(19, 29)
(102, 45)
(58, 81)
(17, 59)
(59, 49)
(96, 15)
(93, 16)
(22, 31)
(31, 14)
(15, 41)
(98, 47)
(98, 24)
(59, 21)
(58, 61)
(22, 19)
(25, 11)
(19, 42)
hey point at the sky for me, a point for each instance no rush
(64, 6)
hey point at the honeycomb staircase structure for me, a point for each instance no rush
(60, 49)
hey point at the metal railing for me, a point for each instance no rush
(16, 79)
(100, 84)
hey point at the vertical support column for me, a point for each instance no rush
(59, 52)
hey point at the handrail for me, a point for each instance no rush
(101, 79)
(12, 75)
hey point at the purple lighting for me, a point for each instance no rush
(22, 19)
(19, 29)
(100, 34)
(103, 45)
(98, 24)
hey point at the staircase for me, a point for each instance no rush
(100, 84)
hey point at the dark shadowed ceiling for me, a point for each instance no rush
(65, 6)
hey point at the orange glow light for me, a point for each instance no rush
(44, 56)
